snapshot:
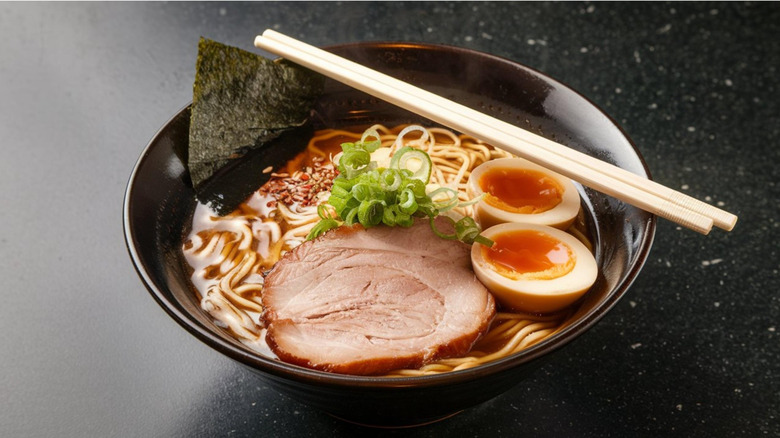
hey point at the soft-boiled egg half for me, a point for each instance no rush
(534, 268)
(517, 190)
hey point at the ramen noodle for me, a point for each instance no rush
(228, 255)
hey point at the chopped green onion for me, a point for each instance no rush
(391, 179)
(370, 213)
(326, 223)
(466, 230)
(401, 159)
(439, 233)
(448, 204)
(371, 146)
(351, 215)
(339, 191)
(364, 194)
(406, 201)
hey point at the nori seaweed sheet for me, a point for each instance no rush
(234, 182)
(240, 102)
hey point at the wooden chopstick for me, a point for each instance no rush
(589, 171)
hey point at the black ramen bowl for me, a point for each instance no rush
(159, 203)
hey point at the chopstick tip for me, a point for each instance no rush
(727, 224)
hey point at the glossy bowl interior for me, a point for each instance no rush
(159, 202)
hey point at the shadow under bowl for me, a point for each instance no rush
(159, 202)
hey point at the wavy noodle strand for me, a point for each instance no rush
(229, 254)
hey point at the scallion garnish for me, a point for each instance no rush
(365, 194)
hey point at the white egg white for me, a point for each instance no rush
(561, 216)
(537, 296)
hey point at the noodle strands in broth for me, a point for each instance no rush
(230, 254)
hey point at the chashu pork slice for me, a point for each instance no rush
(368, 301)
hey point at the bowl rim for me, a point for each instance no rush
(274, 367)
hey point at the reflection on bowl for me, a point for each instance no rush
(159, 203)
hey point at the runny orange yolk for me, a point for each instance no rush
(529, 254)
(520, 190)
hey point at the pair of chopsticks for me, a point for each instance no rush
(589, 171)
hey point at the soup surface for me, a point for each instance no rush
(229, 255)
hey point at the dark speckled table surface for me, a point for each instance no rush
(693, 349)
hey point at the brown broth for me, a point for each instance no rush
(259, 205)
